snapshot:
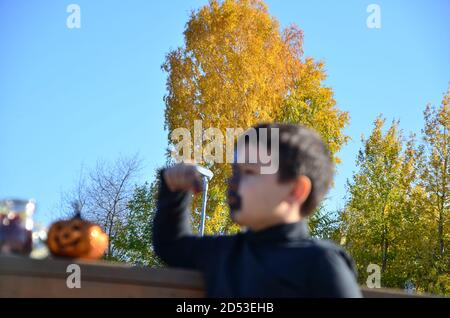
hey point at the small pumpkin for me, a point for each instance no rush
(77, 238)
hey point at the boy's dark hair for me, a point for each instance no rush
(302, 152)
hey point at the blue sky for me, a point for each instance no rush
(69, 97)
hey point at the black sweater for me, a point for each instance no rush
(281, 261)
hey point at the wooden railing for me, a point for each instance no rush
(26, 277)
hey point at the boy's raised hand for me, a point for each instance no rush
(183, 177)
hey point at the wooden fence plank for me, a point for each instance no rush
(26, 277)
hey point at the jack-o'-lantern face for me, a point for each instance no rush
(77, 238)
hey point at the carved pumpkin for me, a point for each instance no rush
(77, 238)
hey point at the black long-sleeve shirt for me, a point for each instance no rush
(280, 261)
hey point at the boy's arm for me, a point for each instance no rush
(173, 241)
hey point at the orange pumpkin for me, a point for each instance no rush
(77, 238)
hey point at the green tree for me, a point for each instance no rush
(435, 181)
(373, 216)
(134, 240)
(397, 210)
(325, 224)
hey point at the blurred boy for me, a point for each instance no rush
(275, 257)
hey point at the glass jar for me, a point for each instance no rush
(16, 226)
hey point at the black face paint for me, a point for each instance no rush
(233, 197)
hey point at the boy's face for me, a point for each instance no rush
(264, 201)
